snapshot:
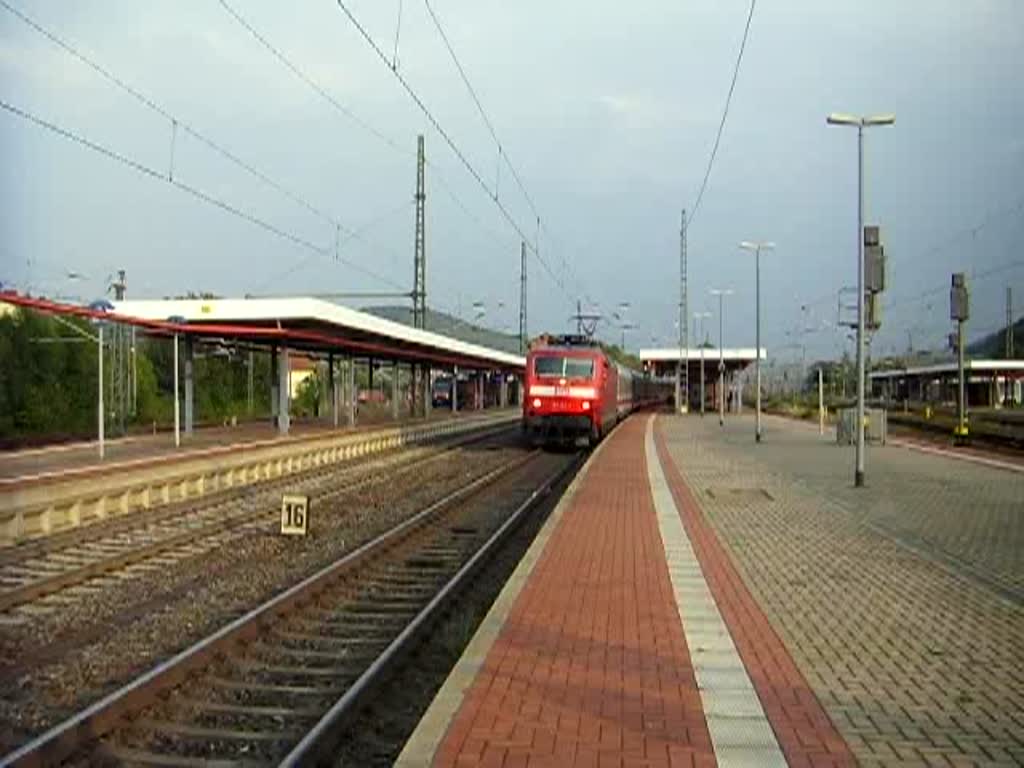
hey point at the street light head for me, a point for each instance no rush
(747, 245)
(880, 120)
(841, 118)
(721, 291)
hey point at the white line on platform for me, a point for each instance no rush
(915, 446)
(740, 732)
(958, 455)
(78, 445)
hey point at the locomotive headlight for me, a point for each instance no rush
(536, 402)
(586, 405)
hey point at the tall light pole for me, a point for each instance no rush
(177, 320)
(101, 414)
(177, 401)
(757, 248)
(624, 324)
(721, 293)
(860, 123)
(698, 317)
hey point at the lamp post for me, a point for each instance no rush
(721, 293)
(100, 305)
(860, 123)
(626, 327)
(101, 415)
(177, 320)
(698, 317)
(177, 400)
(757, 248)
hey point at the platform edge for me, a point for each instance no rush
(426, 739)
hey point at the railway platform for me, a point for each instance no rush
(51, 460)
(697, 599)
(51, 489)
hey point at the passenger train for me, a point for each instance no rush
(573, 390)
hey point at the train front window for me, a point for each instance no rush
(549, 366)
(564, 367)
(579, 368)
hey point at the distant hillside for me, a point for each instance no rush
(994, 345)
(440, 322)
(619, 355)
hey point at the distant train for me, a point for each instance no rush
(573, 391)
(466, 390)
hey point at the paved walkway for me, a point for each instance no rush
(626, 637)
(55, 460)
(902, 603)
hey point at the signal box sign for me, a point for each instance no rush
(294, 515)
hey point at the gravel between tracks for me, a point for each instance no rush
(53, 667)
(378, 734)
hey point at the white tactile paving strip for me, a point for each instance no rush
(740, 732)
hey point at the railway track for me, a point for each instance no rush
(275, 685)
(995, 438)
(33, 575)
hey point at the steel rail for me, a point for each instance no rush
(319, 738)
(61, 741)
(73, 576)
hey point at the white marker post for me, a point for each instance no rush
(294, 515)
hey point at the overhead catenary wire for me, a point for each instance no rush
(502, 152)
(972, 229)
(176, 122)
(907, 301)
(456, 150)
(725, 114)
(309, 81)
(503, 155)
(296, 266)
(195, 192)
(350, 114)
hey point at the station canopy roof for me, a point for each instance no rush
(950, 369)
(742, 355)
(664, 360)
(307, 324)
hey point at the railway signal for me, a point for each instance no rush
(959, 310)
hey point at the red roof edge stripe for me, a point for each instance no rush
(165, 327)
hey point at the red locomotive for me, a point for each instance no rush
(573, 390)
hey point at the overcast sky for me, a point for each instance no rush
(608, 112)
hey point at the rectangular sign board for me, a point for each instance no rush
(294, 515)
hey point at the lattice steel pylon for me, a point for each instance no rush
(683, 367)
(523, 333)
(419, 286)
(421, 374)
(1009, 323)
(120, 365)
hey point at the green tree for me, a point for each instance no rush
(48, 375)
(307, 398)
(48, 378)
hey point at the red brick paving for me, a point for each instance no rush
(591, 667)
(805, 733)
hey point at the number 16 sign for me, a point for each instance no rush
(295, 515)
